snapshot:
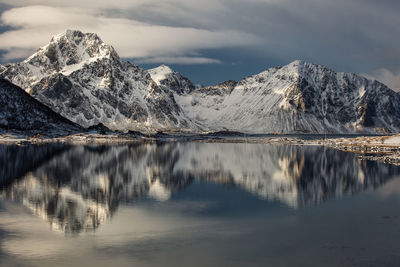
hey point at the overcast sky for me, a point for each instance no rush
(211, 41)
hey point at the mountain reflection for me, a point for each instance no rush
(77, 188)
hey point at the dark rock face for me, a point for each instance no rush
(19, 111)
(220, 89)
(178, 83)
(379, 108)
(342, 98)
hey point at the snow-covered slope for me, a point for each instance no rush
(297, 98)
(20, 111)
(83, 79)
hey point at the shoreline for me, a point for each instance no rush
(378, 148)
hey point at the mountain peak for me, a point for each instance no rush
(163, 66)
(298, 69)
(300, 65)
(295, 67)
(165, 76)
(160, 73)
(69, 48)
(297, 62)
(75, 35)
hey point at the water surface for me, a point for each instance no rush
(197, 204)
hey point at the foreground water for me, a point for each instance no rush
(196, 204)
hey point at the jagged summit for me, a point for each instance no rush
(72, 47)
(66, 53)
(70, 50)
(166, 77)
(76, 36)
(160, 73)
(298, 68)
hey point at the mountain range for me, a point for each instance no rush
(84, 80)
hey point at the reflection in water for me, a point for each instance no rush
(77, 188)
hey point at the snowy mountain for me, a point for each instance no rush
(19, 111)
(297, 98)
(83, 79)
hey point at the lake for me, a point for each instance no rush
(196, 204)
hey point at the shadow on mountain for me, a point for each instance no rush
(77, 189)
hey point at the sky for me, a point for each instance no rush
(211, 41)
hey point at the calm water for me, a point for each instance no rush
(195, 204)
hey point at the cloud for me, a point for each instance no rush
(355, 35)
(34, 26)
(120, 4)
(179, 60)
(392, 80)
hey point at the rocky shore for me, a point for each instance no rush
(381, 148)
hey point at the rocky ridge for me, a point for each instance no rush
(298, 98)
